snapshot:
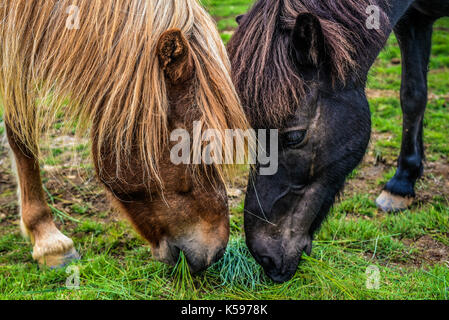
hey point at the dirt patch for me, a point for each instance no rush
(237, 189)
(71, 191)
(376, 93)
(433, 183)
(429, 251)
(8, 202)
(380, 93)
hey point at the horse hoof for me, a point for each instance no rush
(389, 202)
(58, 261)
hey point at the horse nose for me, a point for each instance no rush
(281, 276)
(278, 268)
(200, 261)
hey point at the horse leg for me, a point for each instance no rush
(414, 33)
(50, 246)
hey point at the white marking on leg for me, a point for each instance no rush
(51, 242)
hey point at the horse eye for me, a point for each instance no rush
(294, 139)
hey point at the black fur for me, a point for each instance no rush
(282, 212)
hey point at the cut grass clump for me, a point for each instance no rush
(182, 278)
(238, 268)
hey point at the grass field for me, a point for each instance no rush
(410, 249)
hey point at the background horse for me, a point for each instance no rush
(301, 66)
(131, 71)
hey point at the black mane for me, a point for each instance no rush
(260, 51)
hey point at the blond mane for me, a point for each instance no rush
(107, 71)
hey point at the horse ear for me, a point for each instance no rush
(239, 19)
(174, 54)
(308, 40)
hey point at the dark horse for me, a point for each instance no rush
(301, 66)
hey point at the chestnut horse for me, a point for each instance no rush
(132, 72)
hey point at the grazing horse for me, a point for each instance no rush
(301, 66)
(132, 71)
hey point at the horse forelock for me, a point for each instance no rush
(263, 69)
(108, 68)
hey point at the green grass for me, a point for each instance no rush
(117, 264)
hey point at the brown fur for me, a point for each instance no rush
(132, 73)
(174, 55)
(108, 70)
(50, 245)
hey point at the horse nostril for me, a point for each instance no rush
(219, 255)
(175, 252)
(268, 262)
